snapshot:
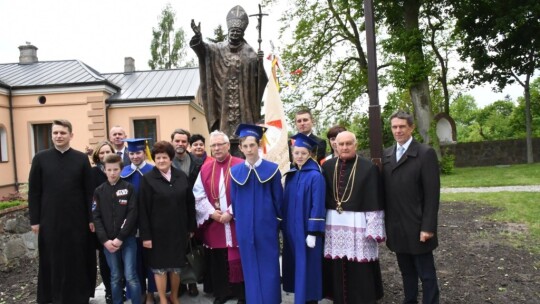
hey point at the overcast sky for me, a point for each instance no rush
(101, 33)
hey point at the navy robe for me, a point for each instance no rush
(257, 196)
(128, 174)
(304, 213)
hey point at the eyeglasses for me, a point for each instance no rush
(218, 145)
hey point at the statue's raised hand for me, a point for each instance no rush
(196, 28)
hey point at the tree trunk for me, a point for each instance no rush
(528, 120)
(414, 56)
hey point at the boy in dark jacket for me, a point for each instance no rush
(115, 219)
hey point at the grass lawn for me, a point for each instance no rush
(517, 207)
(513, 175)
(9, 204)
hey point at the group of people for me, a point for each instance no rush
(142, 216)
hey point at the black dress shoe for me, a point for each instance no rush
(192, 290)
(183, 289)
(108, 298)
(222, 300)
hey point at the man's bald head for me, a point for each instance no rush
(117, 136)
(346, 145)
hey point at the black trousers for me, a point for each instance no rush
(414, 266)
(216, 280)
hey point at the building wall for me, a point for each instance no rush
(7, 176)
(168, 117)
(84, 110)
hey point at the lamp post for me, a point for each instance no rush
(375, 127)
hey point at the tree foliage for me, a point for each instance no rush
(501, 39)
(219, 35)
(328, 50)
(168, 46)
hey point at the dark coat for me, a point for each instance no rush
(115, 211)
(98, 176)
(59, 200)
(412, 190)
(195, 165)
(167, 215)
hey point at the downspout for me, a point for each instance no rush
(11, 124)
(107, 105)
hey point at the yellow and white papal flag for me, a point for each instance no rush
(275, 148)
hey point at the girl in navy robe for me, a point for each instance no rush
(303, 224)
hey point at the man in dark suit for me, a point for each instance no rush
(190, 165)
(303, 121)
(412, 188)
(116, 137)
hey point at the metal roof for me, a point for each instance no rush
(49, 73)
(155, 85)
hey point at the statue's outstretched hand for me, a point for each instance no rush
(196, 28)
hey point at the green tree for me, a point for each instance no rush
(517, 119)
(328, 54)
(501, 39)
(168, 46)
(493, 120)
(406, 41)
(464, 111)
(219, 35)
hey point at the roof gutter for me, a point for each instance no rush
(11, 124)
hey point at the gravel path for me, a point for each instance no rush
(531, 188)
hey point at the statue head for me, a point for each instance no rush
(237, 22)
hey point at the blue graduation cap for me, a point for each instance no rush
(244, 130)
(136, 144)
(302, 140)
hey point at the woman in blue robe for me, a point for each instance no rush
(303, 224)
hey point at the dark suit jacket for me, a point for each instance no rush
(412, 190)
(321, 147)
(194, 167)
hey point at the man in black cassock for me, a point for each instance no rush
(354, 226)
(59, 199)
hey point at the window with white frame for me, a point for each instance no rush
(3, 144)
(42, 134)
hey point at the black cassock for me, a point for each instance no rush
(59, 199)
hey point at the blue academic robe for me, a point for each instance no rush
(257, 196)
(134, 176)
(304, 213)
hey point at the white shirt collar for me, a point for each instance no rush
(138, 167)
(405, 145)
(257, 163)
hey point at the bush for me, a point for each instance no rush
(447, 164)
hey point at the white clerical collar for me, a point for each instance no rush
(62, 150)
(406, 144)
(257, 163)
(138, 167)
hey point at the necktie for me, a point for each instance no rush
(119, 153)
(400, 151)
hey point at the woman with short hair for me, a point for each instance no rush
(167, 219)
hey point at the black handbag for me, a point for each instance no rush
(195, 267)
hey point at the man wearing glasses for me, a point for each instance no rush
(214, 218)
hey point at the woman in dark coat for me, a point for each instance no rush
(167, 219)
(102, 149)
